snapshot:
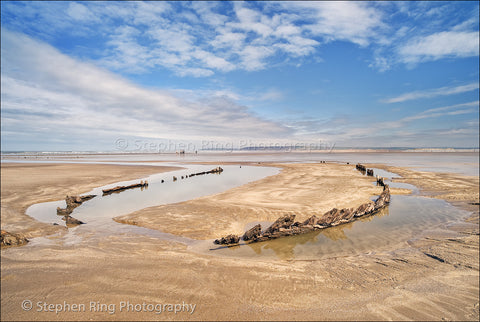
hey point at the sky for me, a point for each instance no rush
(156, 76)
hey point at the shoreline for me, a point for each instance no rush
(429, 277)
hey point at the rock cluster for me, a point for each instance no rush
(9, 239)
(287, 226)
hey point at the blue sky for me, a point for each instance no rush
(81, 75)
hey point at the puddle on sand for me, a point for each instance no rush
(405, 217)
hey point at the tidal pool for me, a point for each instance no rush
(404, 218)
(98, 212)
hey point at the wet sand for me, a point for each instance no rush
(301, 189)
(24, 184)
(433, 276)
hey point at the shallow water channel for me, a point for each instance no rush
(404, 218)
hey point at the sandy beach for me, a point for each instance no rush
(432, 276)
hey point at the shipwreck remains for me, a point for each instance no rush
(72, 203)
(71, 222)
(361, 168)
(217, 170)
(123, 188)
(287, 226)
(10, 239)
(380, 181)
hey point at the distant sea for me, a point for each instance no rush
(464, 161)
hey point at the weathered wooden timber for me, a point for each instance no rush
(286, 225)
(217, 170)
(123, 188)
(380, 181)
(361, 167)
(11, 239)
(72, 203)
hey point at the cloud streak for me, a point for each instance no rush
(442, 91)
(445, 44)
(73, 98)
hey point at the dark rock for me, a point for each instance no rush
(253, 233)
(10, 239)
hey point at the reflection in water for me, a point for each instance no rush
(284, 248)
(405, 217)
(161, 190)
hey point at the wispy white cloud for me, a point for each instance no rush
(395, 132)
(77, 99)
(442, 91)
(440, 45)
(200, 39)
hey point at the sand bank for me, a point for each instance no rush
(431, 277)
(301, 189)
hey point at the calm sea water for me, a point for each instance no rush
(457, 162)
